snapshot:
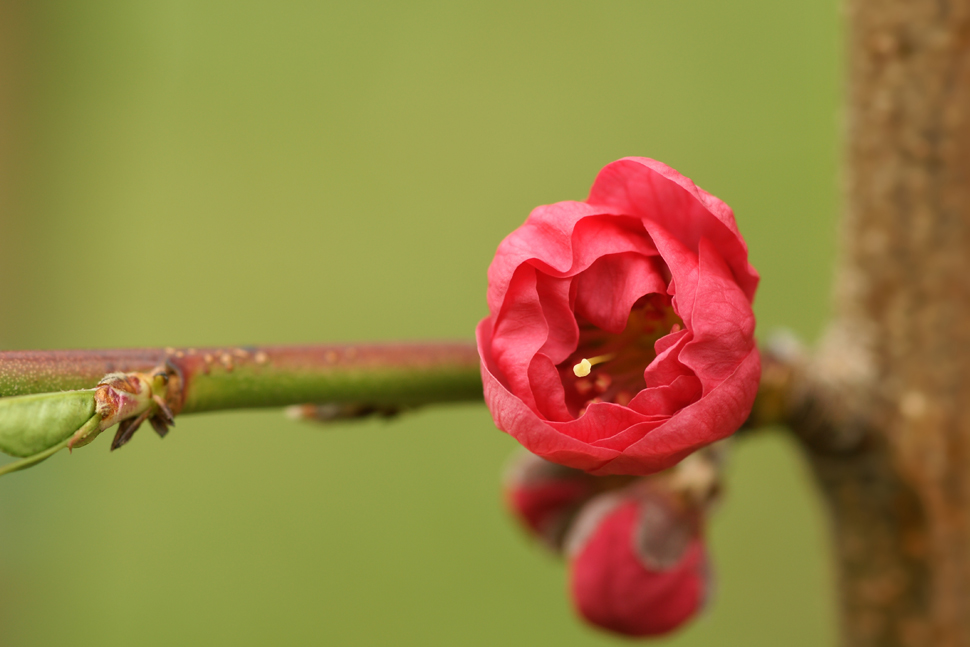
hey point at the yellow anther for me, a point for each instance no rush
(585, 365)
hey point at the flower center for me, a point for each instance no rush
(608, 367)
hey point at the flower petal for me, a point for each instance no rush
(607, 290)
(723, 327)
(652, 190)
(717, 415)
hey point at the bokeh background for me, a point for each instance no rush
(214, 172)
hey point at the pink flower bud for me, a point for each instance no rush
(545, 496)
(638, 562)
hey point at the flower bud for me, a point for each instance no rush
(638, 563)
(545, 496)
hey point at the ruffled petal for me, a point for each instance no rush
(607, 290)
(717, 415)
(562, 240)
(722, 325)
(653, 191)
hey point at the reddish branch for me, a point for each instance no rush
(387, 377)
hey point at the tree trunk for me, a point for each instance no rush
(884, 407)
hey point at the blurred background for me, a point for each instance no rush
(215, 172)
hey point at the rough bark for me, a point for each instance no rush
(884, 406)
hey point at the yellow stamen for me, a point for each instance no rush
(585, 365)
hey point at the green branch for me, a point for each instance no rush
(134, 386)
(273, 376)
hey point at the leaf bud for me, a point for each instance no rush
(30, 424)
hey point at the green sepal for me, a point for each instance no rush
(32, 424)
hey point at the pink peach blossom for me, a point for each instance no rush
(620, 334)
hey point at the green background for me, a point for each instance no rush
(193, 173)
